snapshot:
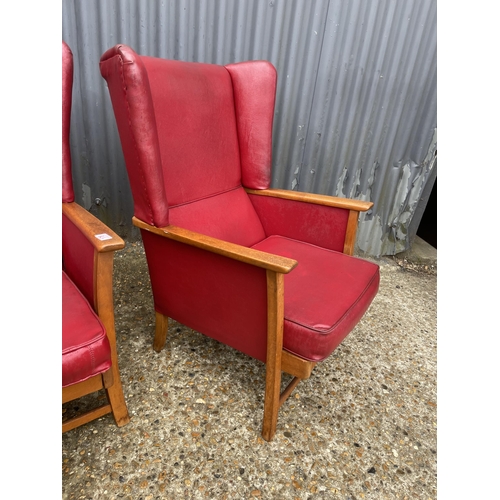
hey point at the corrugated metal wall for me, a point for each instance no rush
(356, 101)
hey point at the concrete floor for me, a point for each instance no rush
(362, 427)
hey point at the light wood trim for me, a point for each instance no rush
(104, 250)
(161, 329)
(251, 256)
(103, 292)
(317, 199)
(89, 225)
(108, 379)
(117, 401)
(300, 368)
(275, 320)
(104, 307)
(296, 366)
(350, 234)
(88, 386)
(288, 390)
(86, 417)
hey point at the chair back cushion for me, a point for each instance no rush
(67, 93)
(198, 138)
(196, 125)
(179, 132)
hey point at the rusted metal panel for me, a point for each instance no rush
(355, 108)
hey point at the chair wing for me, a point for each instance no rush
(67, 93)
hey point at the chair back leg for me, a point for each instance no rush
(161, 329)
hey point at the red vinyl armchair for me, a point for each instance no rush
(266, 271)
(89, 358)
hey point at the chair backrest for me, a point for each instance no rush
(67, 92)
(193, 135)
(77, 254)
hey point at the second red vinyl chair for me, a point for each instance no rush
(89, 355)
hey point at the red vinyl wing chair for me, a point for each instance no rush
(266, 271)
(89, 358)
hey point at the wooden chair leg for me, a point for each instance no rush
(271, 401)
(275, 314)
(114, 391)
(117, 400)
(103, 269)
(161, 329)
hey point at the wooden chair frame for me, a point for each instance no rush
(110, 380)
(278, 360)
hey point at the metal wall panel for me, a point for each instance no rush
(356, 99)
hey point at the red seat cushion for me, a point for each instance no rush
(325, 295)
(85, 347)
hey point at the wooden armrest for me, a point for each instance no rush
(251, 256)
(102, 238)
(318, 199)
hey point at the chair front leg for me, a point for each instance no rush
(117, 399)
(275, 320)
(103, 284)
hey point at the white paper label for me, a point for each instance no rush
(103, 236)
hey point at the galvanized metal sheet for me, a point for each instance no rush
(356, 99)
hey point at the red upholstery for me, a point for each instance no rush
(85, 346)
(254, 87)
(89, 357)
(135, 114)
(193, 135)
(320, 310)
(228, 216)
(198, 161)
(167, 144)
(78, 258)
(260, 273)
(223, 298)
(67, 90)
(316, 224)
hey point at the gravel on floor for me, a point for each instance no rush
(364, 426)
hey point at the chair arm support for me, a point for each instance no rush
(251, 256)
(285, 205)
(91, 227)
(88, 259)
(317, 199)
